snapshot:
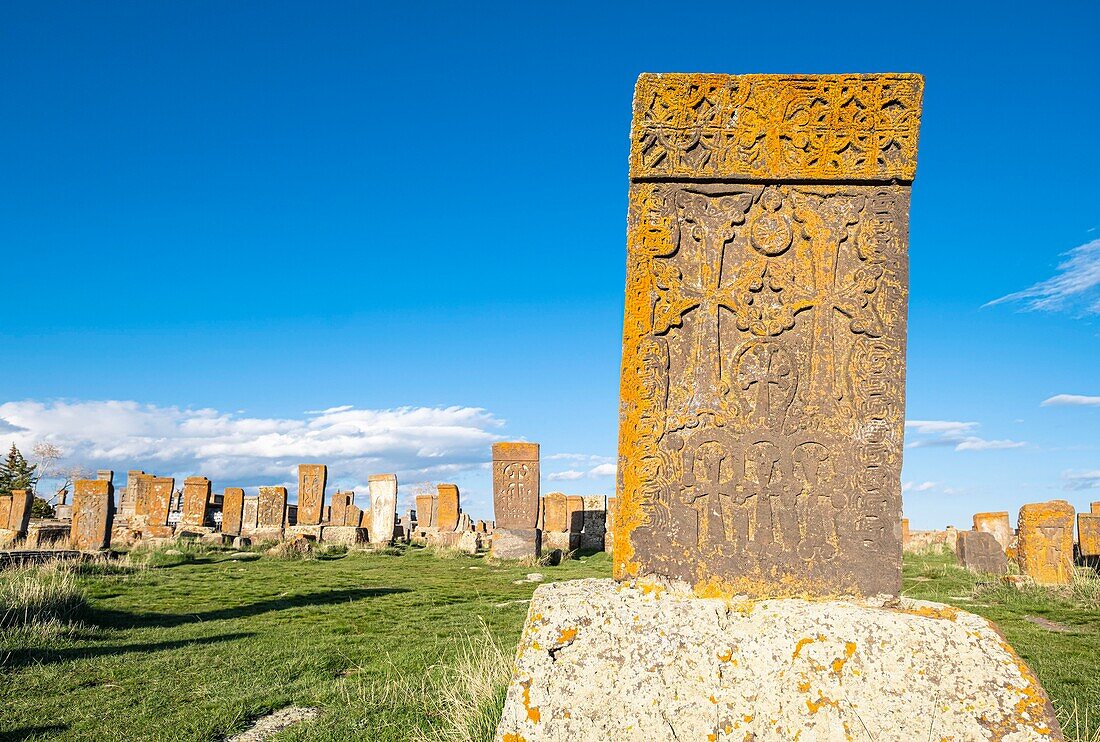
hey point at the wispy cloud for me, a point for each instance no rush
(917, 486)
(415, 442)
(1081, 480)
(604, 466)
(566, 476)
(1075, 286)
(1074, 400)
(956, 435)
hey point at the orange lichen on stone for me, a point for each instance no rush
(839, 662)
(565, 636)
(533, 713)
(822, 701)
(944, 613)
(513, 738)
(803, 642)
(1045, 543)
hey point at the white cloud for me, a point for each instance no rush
(1082, 480)
(1075, 285)
(1076, 400)
(415, 442)
(605, 467)
(603, 470)
(566, 476)
(958, 436)
(917, 487)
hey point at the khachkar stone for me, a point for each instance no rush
(997, 524)
(5, 512)
(232, 511)
(19, 517)
(311, 493)
(424, 511)
(1045, 549)
(341, 501)
(158, 506)
(1088, 536)
(980, 551)
(383, 507)
(760, 446)
(270, 514)
(555, 524)
(516, 483)
(595, 522)
(250, 515)
(196, 496)
(446, 519)
(93, 505)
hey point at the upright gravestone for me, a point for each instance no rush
(424, 511)
(128, 502)
(1094, 508)
(383, 507)
(1088, 535)
(1045, 548)
(341, 501)
(196, 496)
(311, 493)
(555, 523)
(516, 482)
(448, 508)
(980, 551)
(20, 515)
(250, 515)
(232, 511)
(353, 516)
(270, 514)
(92, 513)
(996, 524)
(5, 512)
(158, 507)
(760, 440)
(595, 522)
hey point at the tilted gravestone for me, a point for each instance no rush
(232, 511)
(1088, 534)
(996, 524)
(341, 501)
(760, 440)
(196, 497)
(1045, 548)
(516, 483)
(311, 493)
(980, 551)
(383, 507)
(93, 505)
(448, 508)
(20, 514)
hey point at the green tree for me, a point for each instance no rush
(16, 473)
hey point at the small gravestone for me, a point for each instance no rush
(127, 507)
(353, 516)
(93, 501)
(980, 551)
(594, 523)
(196, 498)
(757, 556)
(341, 501)
(516, 483)
(232, 511)
(311, 493)
(904, 534)
(1094, 508)
(161, 491)
(250, 514)
(1088, 535)
(424, 511)
(383, 507)
(270, 514)
(5, 512)
(575, 507)
(1045, 547)
(555, 523)
(996, 524)
(449, 508)
(20, 515)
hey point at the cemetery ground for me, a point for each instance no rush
(189, 642)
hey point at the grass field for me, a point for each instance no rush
(405, 644)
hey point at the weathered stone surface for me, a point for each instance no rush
(383, 507)
(341, 501)
(469, 542)
(107, 475)
(250, 514)
(612, 516)
(159, 492)
(311, 493)
(271, 508)
(516, 481)
(232, 511)
(46, 534)
(1088, 534)
(904, 534)
(574, 505)
(764, 338)
(93, 503)
(594, 526)
(142, 497)
(196, 497)
(555, 515)
(601, 660)
(1094, 508)
(353, 516)
(997, 524)
(448, 508)
(1045, 546)
(564, 541)
(481, 527)
(5, 512)
(127, 506)
(980, 551)
(424, 511)
(20, 515)
(516, 543)
(346, 535)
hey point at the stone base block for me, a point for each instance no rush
(193, 531)
(241, 542)
(599, 660)
(259, 535)
(310, 532)
(516, 543)
(592, 542)
(444, 538)
(346, 535)
(559, 540)
(469, 542)
(46, 534)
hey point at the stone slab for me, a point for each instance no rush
(383, 507)
(1088, 534)
(516, 543)
(996, 523)
(600, 660)
(5, 512)
(232, 511)
(424, 511)
(448, 509)
(594, 522)
(93, 505)
(20, 515)
(196, 498)
(1045, 542)
(516, 482)
(346, 535)
(158, 501)
(1094, 508)
(980, 551)
(574, 505)
(555, 512)
(271, 508)
(560, 541)
(312, 479)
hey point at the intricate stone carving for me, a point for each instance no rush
(92, 514)
(311, 493)
(232, 511)
(1045, 551)
(447, 508)
(196, 496)
(516, 485)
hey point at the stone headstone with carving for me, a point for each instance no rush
(446, 517)
(5, 512)
(424, 511)
(196, 497)
(158, 507)
(555, 523)
(232, 511)
(270, 514)
(20, 515)
(1088, 535)
(980, 551)
(760, 441)
(383, 507)
(93, 503)
(1045, 548)
(341, 501)
(516, 483)
(595, 522)
(250, 514)
(311, 493)
(997, 524)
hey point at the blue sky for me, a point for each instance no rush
(241, 235)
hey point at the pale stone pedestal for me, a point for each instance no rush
(516, 543)
(560, 541)
(346, 535)
(600, 660)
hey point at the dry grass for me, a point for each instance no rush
(1076, 724)
(38, 604)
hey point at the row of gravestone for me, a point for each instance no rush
(1042, 546)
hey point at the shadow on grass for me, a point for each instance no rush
(107, 617)
(23, 733)
(22, 658)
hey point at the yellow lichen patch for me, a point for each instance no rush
(804, 686)
(566, 635)
(726, 656)
(822, 701)
(1044, 548)
(803, 642)
(509, 737)
(652, 588)
(533, 713)
(945, 613)
(839, 662)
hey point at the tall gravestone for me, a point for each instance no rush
(250, 515)
(5, 512)
(270, 514)
(448, 508)
(158, 507)
(383, 507)
(1088, 535)
(1045, 549)
(92, 513)
(232, 511)
(758, 534)
(424, 511)
(996, 524)
(311, 493)
(516, 483)
(595, 522)
(196, 498)
(20, 515)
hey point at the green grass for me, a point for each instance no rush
(394, 645)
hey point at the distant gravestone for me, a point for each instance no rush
(1094, 508)
(341, 501)
(448, 508)
(139, 492)
(20, 515)
(556, 512)
(980, 551)
(353, 516)
(311, 493)
(159, 507)
(595, 522)
(1045, 547)
(997, 524)
(516, 486)
(92, 514)
(271, 513)
(128, 501)
(250, 515)
(1088, 535)
(196, 497)
(5, 512)
(424, 511)
(612, 519)
(232, 511)
(383, 507)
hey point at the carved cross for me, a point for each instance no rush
(765, 366)
(704, 482)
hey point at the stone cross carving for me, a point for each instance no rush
(1045, 545)
(311, 493)
(516, 485)
(762, 393)
(196, 496)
